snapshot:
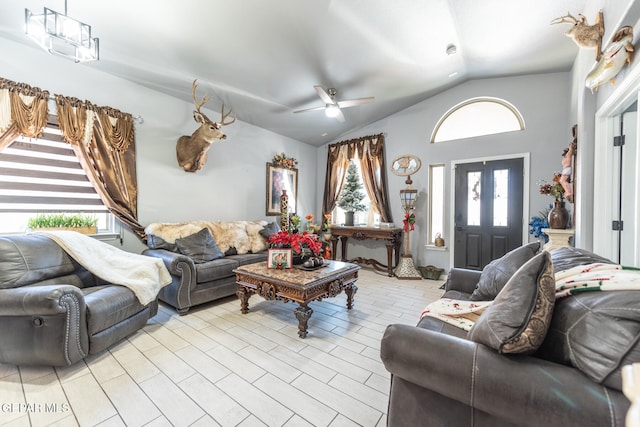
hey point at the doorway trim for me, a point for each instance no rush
(606, 126)
(525, 193)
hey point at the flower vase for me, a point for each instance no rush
(558, 216)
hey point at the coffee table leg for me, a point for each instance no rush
(244, 294)
(350, 291)
(303, 313)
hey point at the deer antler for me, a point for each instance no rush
(568, 18)
(224, 117)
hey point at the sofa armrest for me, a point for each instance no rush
(41, 300)
(183, 278)
(462, 280)
(513, 388)
(43, 325)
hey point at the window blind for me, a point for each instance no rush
(44, 175)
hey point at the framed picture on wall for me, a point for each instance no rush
(279, 258)
(278, 179)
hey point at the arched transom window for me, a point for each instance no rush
(478, 117)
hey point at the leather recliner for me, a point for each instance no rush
(55, 312)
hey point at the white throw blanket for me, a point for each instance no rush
(144, 275)
(462, 314)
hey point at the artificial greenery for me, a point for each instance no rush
(62, 220)
(351, 196)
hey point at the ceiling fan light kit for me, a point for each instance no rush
(332, 107)
(332, 110)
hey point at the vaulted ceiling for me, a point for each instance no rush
(263, 58)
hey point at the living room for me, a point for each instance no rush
(231, 185)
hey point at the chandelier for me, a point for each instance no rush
(61, 35)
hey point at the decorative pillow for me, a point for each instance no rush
(200, 247)
(496, 274)
(270, 229)
(157, 242)
(518, 319)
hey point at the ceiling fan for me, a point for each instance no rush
(332, 107)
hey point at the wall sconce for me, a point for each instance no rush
(61, 35)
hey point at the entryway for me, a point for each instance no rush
(488, 210)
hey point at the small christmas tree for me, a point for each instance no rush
(351, 196)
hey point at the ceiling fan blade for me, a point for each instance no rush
(340, 116)
(310, 109)
(354, 102)
(326, 98)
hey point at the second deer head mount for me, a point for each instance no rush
(583, 34)
(191, 151)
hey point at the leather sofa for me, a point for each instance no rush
(441, 377)
(197, 279)
(55, 312)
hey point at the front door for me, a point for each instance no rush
(488, 211)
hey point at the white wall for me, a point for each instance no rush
(231, 186)
(544, 101)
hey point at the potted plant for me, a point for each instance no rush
(351, 197)
(76, 222)
(558, 217)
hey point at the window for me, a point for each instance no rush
(368, 217)
(477, 117)
(436, 203)
(43, 175)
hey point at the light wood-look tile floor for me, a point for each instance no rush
(217, 367)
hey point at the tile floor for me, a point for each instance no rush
(217, 367)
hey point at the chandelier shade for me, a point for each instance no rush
(61, 35)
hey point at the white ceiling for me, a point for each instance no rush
(263, 57)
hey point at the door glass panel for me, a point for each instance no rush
(474, 191)
(500, 197)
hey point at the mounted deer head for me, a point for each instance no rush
(192, 150)
(583, 34)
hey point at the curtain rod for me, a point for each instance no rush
(138, 118)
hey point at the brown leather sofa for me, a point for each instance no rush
(53, 311)
(439, 377)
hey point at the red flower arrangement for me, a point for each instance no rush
(296, 241)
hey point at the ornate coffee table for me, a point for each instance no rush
(296, 285)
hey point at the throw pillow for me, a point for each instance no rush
(200, 247)
(519, 318)
(270, 229)
(496, 274)
(157, 242)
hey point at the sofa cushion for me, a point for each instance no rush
(496, 274)
(596, 332)
(250, 258)
(519, 317)
(30, 258)
(200, 247)
(108, 305)
(565, 258)
(216, 269)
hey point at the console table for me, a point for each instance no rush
(391, 236)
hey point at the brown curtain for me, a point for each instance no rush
(369, 150)
(23, 111)
(103, 139)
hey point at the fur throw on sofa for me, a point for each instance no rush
(244, 236)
